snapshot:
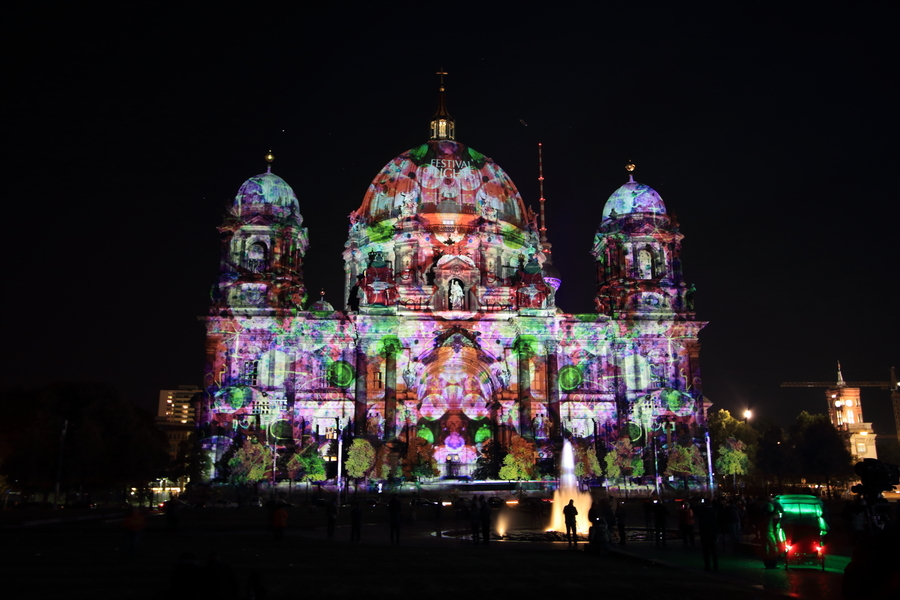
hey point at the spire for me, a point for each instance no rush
(840, 380)
(545, 245)
(269, 159)
(550, 273)
(630, 168)
(442, 125)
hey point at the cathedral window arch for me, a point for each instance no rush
(646, 267)
(257, 257)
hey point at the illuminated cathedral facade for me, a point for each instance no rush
(450, 330)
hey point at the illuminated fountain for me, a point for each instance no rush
(568, 490)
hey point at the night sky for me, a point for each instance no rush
(771, 134)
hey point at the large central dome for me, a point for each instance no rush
(442, 177)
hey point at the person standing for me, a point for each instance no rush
(620, 522)
(279, 522)
(569, 513)
(395, 516)
(485, 521)
(594, 517)
(686, 523)
(709, 529)
(475, 519)
(661, 515)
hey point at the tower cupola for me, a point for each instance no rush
(442, 125)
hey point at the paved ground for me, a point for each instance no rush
(86, 559)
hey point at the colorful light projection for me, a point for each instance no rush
(450, 332)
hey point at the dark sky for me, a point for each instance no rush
(769, 133)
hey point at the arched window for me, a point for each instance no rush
(257, 257)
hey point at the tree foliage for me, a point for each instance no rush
(611, 467)
(307, 465)
(519, 462)
(360, 458)
(108, 443)
(684, 461)
(732, 458)
(487, 465)
(250, 463)
(723, 426)
(624, 457)
(819, 450)
(419, 462)
(586, 463)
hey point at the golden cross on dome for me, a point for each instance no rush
(442, 73)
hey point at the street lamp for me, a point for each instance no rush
(747, 415)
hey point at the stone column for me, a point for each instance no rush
(390, 347)
(553, 391)
(361, 408)
(524, 352)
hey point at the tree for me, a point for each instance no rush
(387, 464)
(586, 464)
(83, 436)
(820, 451)
(360, 458)
(519, 462)
(312, 466)
(487, 465)
(772, 455)
(684, 461)
(733, 459)
(611, 467)
(419, 461)
(722, 427)
(624, 459)
(250, 463)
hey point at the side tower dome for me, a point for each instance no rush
(638, 252)
(263, 244)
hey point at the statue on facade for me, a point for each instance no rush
(456, 295)
(379, 282)
(531, 290)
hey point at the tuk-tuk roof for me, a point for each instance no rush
(802, 508)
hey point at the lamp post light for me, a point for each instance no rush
(747, 415)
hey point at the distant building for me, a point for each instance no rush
(845, 412)
(450, 329)
(175, 415)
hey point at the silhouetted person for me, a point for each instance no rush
(660, 518)
(279, 522)
(686, 523)
(475, 519)
(594, 517)
(485, 521)
(438, 513)
(709, 529)
(569, 513)
(134, 524)
(620, 522)
(395, 517)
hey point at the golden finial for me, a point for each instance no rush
(629, 167)
(270, 157)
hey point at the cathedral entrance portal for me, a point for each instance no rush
(456, 389)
